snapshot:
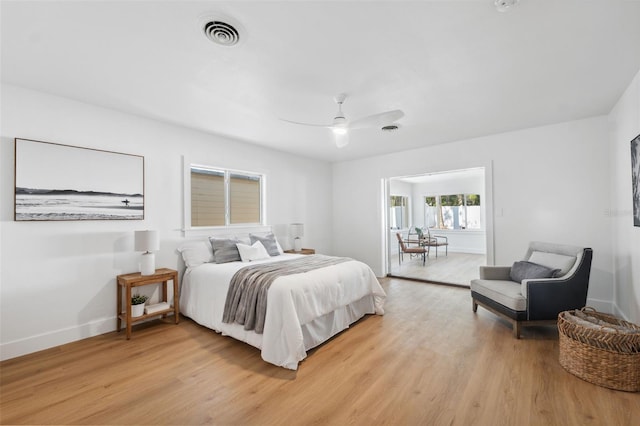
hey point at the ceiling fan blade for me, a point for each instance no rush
(328, 126)
(377, 120)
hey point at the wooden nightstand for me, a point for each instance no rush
(303, 251)
(127, 281)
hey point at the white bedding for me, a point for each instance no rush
(343, 294)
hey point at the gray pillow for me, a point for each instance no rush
(225, 250)
(268, 241)
(524, 270)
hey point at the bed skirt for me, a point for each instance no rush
(314, 333)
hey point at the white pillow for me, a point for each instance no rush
(553, 261)
(196, 253)
(252, 252)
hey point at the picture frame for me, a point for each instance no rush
(635, 179)
(56, 182)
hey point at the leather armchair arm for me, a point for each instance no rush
(495, 272)
(546, 298)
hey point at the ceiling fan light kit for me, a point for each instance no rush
(504, 5)
(341, 126)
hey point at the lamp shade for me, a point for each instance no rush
(146, 241)
(297, 230)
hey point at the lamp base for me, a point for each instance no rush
(147, 264)
(297, 244)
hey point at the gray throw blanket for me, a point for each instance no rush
(247, 296)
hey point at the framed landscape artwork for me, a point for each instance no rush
(63, 182)
(635, 179)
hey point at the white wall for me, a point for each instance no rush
(544, 183)
(625, 125)
(397, 187)
(58, 278)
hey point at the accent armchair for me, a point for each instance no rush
(435, 241)
(403, 248)
(423, 237)
(551, 279)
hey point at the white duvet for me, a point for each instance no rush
(294, 301)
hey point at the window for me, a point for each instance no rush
(399, 212)
(431, 212)
(455, 211)
(473, 211)
(222, 197)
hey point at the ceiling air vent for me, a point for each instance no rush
(221, 33)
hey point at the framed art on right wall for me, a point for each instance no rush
(635, 179)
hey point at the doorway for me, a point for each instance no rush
(450, 206)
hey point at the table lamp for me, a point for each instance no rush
(297, 231)
(147, 241)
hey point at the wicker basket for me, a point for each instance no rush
(607, 356)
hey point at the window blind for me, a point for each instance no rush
(207, 198)
(244, 199)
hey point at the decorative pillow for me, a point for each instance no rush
(268, 241)
(225, 250)
(196, 253)
(553, 261)
(524, 270)
(252, 252)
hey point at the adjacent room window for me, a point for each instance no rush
(454, 211)
(473, 211)
(399, 211)
(223, 197)
(431, 212)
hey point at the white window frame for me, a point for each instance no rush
(189, 228)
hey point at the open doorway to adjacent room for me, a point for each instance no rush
(450, 209)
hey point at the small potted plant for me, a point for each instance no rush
(137, 305)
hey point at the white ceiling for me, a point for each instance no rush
(458, 69)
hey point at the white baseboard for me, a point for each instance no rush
(63, 336)
(605, 306)
(394, 254)
(51, 339)
(618, 313)
(470, 250)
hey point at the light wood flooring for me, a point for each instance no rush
(455, 268)
(428, 361)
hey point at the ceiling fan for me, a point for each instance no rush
(341, 126)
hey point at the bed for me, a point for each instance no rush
(303, 310)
